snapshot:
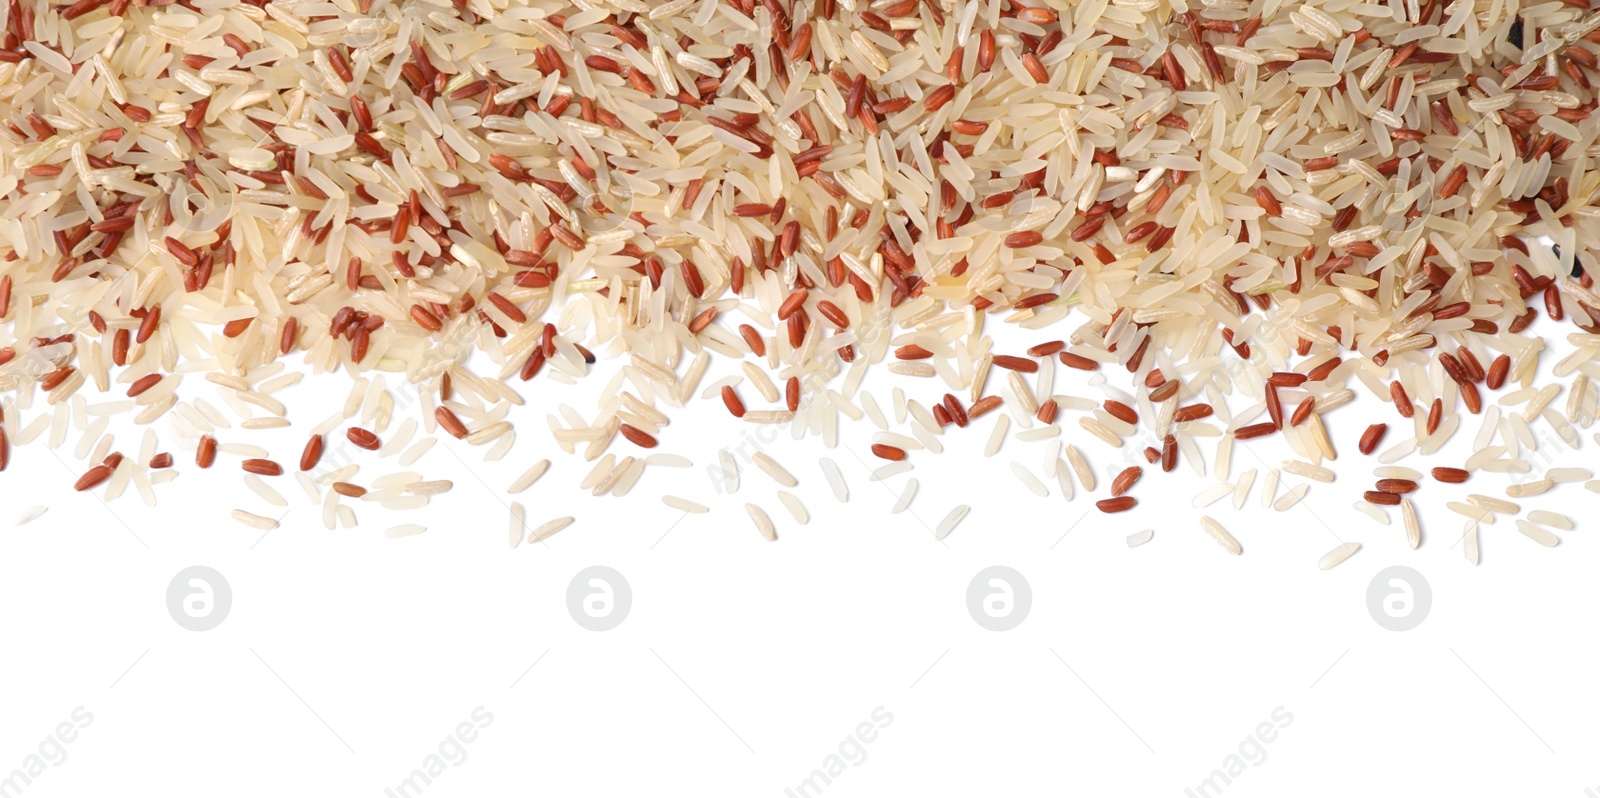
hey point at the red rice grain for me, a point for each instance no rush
(363, 438)
(262, 467)
(1254, 431)
(637, 437)
(449, 422)
(1372, 437)
(312, 454)
(1121, 411)
(731, 400)
(1015, 363)
(1499, 369)
(1396, 485)
(887, 452)
(1116, 505)
(1124, 480)
(92, 477)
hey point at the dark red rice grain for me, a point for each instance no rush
(1047, 412)
(731, 400)
(1125, 480)
(1402, 400)
(1498, 371)
(1372, 437)
(982, 406)
(1166, 391)
(312, 454)
(637, 437)
(1121, 411)
(143, 384)
(262, 467)
(1380, 497)
(1396, 485)
(92, 477)
(449, 422)
(1079, 362)
(363, 438)
(888, 452)
(1254, 431)
(1116, 505)
(1015, 363)
(1303, 411)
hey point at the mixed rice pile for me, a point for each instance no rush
(1271, 203)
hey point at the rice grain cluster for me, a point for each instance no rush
(1266, 203)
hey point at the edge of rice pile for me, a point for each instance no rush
(1273, 203)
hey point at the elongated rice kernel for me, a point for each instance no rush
(1210, 495)
(1491, 503)
(265, 491)
(1527, 489)
(1290, 498)
(1241, 489)
(254, 521)
(1220, 535)
(997, 435)
(792, 503)
(1413, 527)
(1337, 555)
(730, 471)
(528, 477)
(1473, 511)
(549, 528)
(835, 478)
(1373, 511)
(1269, 488)
(763, 524)
(1547, 518)
(1537, 534)
(1028, 480)
(772, 469)
(907, 493)
(1064, 479)
(685, 505)
(1081, 467)
(1469, 542)
(1307, 470)
(948, 524)
(517, 525)
(416, 451)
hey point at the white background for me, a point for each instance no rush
(347, 659)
